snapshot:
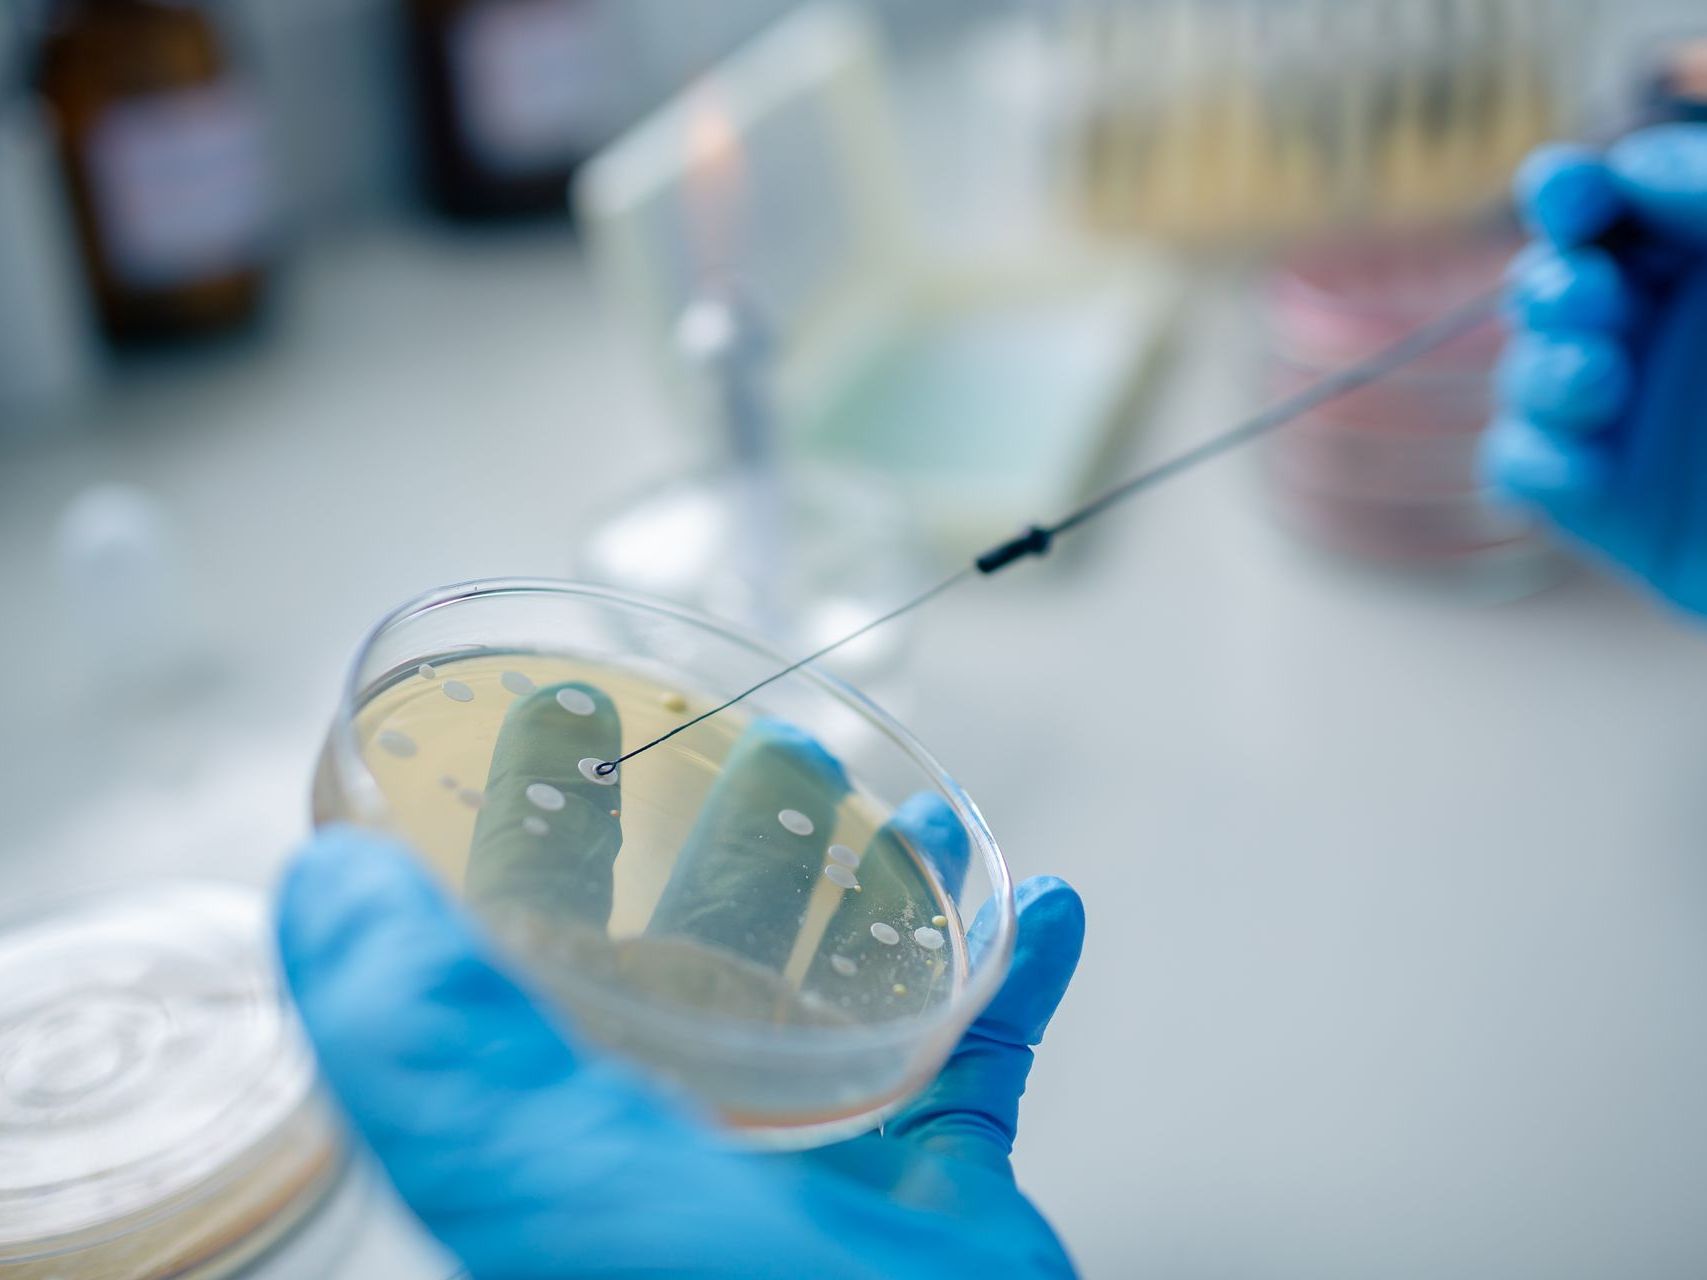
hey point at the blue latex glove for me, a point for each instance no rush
(1603, 389)
(528, 1154)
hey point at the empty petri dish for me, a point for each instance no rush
(680, 909)
(156, 1106)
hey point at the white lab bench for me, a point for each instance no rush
(1398, 906)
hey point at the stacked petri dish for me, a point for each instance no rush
(1388, 474)
(157, 1113)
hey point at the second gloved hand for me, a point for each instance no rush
(1603, 423)
(529, 1155)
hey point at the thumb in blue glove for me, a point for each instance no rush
(530, 1155)
(1603, 389)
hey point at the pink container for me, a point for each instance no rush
(1387, 474)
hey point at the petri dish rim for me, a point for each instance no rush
(47, 907)
(363, 793)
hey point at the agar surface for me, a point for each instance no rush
(740, 880)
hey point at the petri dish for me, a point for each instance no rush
(769, 909)
(1387, 475)
(157, 1112)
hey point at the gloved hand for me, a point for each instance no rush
(531, 1155)
(1603, 389)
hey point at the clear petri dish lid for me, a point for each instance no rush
(148, 1066)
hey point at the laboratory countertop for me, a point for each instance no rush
(1398, 903)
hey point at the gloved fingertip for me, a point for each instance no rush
(397, 989)
(1662, 173)
(1580, 290)
(1534, 253)
(554, 721)
(1577, 383)
(1566, 194)
(929, 824)
(342, 879)
(577, 697)
(1521, 461)
(1051, 929)
(1051, 897)
(1049, 940)
(770, 732)
(971, 1111)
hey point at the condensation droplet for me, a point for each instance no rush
(796, 821)
(542, 795)
(470, 797)
(590, 771)
(398, 744)
(447, 782)
(534, 825)
(844, 966)
(426, 672)
(516, 683)
(844, 855)
(928, 938)
(836, 873)
(457, 691)
(885, 933)
(577, 702)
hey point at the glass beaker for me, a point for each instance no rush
(766, 909)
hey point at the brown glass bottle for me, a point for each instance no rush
(511, 96)
(163, 151)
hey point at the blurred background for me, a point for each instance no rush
(1388, 813)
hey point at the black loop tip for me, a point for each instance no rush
(1033, 542)
(605, 768)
